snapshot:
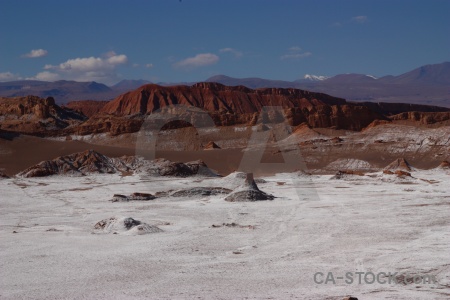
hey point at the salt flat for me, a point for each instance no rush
(376, 223)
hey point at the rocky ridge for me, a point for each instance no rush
(90, 162)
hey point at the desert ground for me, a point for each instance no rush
(208, 248)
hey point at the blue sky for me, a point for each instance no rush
(191, 40)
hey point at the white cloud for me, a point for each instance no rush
(200, 60)
(295, 49)
(101, 69)
(296, 55)
(149, 66)
(295, 52)
(360, 19)
(46, 76)
(36, 53)
(235, 52)
(8, 76)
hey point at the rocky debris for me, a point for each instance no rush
(233, 225)
(132, 197)
(399, 164)
(346, 174)
(350, 298)
(34, 115)
(3, 175)
(444, 165)
(86, 107)
(249, 191)
(211, 145)
(201, 191)
(124, 225)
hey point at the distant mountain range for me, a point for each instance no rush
(64, 91)
(428, 84)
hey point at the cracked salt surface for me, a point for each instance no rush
(377, 223)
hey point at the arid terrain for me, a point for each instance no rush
(152, 195)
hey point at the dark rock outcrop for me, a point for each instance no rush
(75, 164)
(132, 197)
(201, 191)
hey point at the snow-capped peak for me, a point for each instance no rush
(371, 76)
(315, 77)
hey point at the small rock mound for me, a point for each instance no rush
(211, 145)
(399, 164)
(132, 197)
(248, 192)
(179, 169)
(124, 225)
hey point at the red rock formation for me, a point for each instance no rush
(241, 105)
(35, 115)
(87, 107)
(443, 118)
